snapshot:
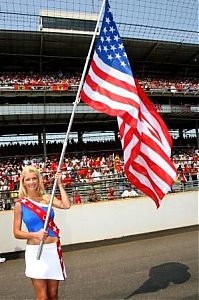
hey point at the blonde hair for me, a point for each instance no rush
(26, 170)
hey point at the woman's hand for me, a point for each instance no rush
(64, 202)
(58, 176)
(42, 235)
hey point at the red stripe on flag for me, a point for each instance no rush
(155, 147)
(113, 80)
(108, 110)
(142, 170)
(136, 182)
(111, 95)
(153, 111)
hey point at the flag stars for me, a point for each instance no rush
(108, 39)
(121, 46)
(112, 29)
(123, 64)
(113, 48)
(116, 38)
(107, 20)
(110, 47)
(105, 30)
(117, 56)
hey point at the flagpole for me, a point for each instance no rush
(77, 100)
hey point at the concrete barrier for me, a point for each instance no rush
(112, 219)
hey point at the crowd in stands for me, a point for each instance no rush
(101, 170)
(187, 165)
(21, 149)
(75, 168)
(170, 85)
(56, 147)
(33, 80)
(16, 80)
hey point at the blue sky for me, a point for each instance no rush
(174, 20)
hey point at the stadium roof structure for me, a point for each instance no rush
(67, 22)
(41, 51)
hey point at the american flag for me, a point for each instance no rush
(111, 88)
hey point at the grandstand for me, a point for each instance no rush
(53, 41)
(45, 49)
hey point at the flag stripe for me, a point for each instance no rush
(111, 91)
(157, 179)
(156, 158)
(146, 174)
(107, 108)
(120, 87)
(156, 121)
(143, 183)
(113, 72)
(104, 99)
(152, 150)
(157, 166)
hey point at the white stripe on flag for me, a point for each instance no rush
(109, 102)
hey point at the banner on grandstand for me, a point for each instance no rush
(41, 87)
(60, 87)
(22, 87)
(111, 88)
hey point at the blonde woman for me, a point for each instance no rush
(31, 208)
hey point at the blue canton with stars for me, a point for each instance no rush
(109, 45)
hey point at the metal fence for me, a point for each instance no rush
(101, 189)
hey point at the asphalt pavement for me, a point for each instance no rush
(160, 267)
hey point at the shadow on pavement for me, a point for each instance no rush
(161, 276)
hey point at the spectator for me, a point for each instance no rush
(2, 259)
(186, 171)
(129, 192)
(93, 197)
(110, 194)
(96, 175)
(117, 164)
(179, 168)
(182, 179)
(194, 174)
(77, 198)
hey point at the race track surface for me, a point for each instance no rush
(162, 267)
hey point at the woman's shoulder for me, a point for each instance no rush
(17, 205)
(18, 202)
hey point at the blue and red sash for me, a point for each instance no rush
(51, 225)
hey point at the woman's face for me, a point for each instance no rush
(31, 182)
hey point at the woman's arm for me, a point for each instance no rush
(64, 203)
(20, 234)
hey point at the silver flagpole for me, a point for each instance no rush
(77, 100)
